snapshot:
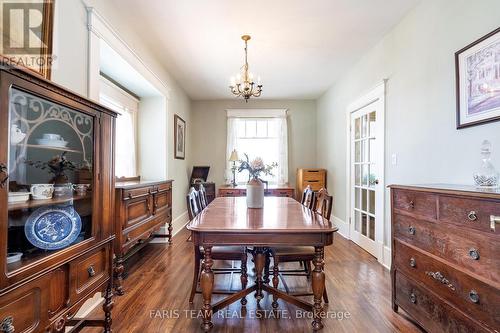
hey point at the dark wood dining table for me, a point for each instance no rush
(281, 222)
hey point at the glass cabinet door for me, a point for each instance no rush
(50, 184)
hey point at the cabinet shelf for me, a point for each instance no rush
(53, 201)
(49, 148)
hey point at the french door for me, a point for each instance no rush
(366, 173)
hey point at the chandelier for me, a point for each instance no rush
(243, 84)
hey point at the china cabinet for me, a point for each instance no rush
(56, 204)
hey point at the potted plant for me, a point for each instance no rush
(255, 186)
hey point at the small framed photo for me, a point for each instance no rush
(179, 138)
(478, 81)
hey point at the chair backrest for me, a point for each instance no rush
(202, 196)
(308, 197)
(323, 203)
(193, 203)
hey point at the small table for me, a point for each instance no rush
(282, 222)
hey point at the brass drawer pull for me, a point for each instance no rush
(91, 271)
(5, 175)
(411, 204)
(412, 230)
(472, 216)
(473, 296)
(413, 262)
(413, 298)
(493, 221)
(7, 325)
(440, 278)
(474, 254)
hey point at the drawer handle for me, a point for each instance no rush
(413, 298)
(411, 204)
(472, 216)
(412, 230)
(413, 262)
(493, 221)
(473, 296)
(128, 238)
(474, 254)
(440, 278)
(91, 271)
(7, 325)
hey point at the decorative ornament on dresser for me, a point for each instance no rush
(255, 186)
(243, 84)
(486, 176)
(478, 81)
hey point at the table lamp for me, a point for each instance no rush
(234, 158)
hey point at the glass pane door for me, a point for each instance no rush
(51, 152)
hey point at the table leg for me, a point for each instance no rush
(244, 277)
(318, 286)
(260, 259)
(207, 285)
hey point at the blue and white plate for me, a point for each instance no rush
(53, 227)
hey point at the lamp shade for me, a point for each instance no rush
(234, 156)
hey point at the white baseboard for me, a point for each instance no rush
(177, 224)
(343, 227)
(387, 257)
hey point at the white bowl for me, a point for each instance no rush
(13, 257)
(19, 196)
(52, 143)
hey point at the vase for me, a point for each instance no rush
(255, 193)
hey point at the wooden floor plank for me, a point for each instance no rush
(159, 281)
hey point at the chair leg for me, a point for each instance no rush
(308, 269)
(276, 280)
(196, 273)
(244, 277)
(266, 267)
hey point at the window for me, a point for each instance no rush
(127, 107)
(265, 136)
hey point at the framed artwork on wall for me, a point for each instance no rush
(179, 138)
(477, 69)
(26, 39)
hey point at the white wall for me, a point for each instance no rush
(417, 58)
(209, 128)
(71, 50)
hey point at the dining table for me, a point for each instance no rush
(227, 221)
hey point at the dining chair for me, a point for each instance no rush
(202, 196)
(308, 197)
(322, 205)
(236, 253)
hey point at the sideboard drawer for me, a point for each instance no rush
(137, 192)
(469, 213)
(231, 192)
(163, 187)
(417, 203)
(88, 272)
(429, 310)
(456, 287)
(280, 193)
(467, 249)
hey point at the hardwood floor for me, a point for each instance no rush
(158, 286)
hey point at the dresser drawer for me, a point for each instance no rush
(313, 174)
(316, 185)
(87, 272)
(231, 192)
(280, 193)
(429, 310)
(456, 287)
(469, 213)
(27, 306)
(417, 203)
(137, 192)
(469, 250)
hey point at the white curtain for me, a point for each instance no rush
(232, 143)
(282, 127)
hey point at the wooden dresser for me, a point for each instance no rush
(63, 240)
(314, 177)
(271, 191)
(446, 257)
(141, 209)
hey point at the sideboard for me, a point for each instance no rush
(272, 191)
(141, 209)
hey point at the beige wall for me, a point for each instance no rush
(71, 50)
(208, 129)
(417, 58)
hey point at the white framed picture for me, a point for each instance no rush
(478, 81)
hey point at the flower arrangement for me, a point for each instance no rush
(256, 167)
(57, 166)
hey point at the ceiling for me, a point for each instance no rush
(298, 47)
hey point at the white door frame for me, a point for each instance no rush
(374, 95)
